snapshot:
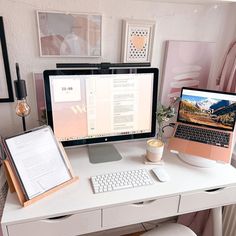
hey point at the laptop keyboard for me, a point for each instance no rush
(212, 137)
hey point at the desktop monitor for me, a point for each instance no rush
(101, 106)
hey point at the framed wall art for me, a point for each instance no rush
(187, 64)
(69, 35)
(40, 97)
(6, 93)
(137, 40)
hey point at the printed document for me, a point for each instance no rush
(38, 161)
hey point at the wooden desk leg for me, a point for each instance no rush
(217, 221)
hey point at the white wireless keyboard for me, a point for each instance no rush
(121, 180)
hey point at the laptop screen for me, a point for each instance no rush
(207, 108)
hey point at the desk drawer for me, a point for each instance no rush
(207, 199)
(140, 212)
(76, 224)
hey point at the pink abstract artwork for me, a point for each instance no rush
(187, 64)
(40, 97)
(69, 35)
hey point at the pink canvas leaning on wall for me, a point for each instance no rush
(187, 64)
(40, 97)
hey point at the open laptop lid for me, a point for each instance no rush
(207, 108)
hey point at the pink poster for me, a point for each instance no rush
(40, 97)
(69, 35)
(187, 64)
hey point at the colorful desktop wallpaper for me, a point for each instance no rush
(207, 111)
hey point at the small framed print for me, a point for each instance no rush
(6, 92)
(138, 36)
(69, 34)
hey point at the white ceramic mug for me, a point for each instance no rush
(154, 149)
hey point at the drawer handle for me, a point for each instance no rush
(143, 203)
(58, 218)
(214, 190)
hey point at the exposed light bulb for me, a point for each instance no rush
(22, 108)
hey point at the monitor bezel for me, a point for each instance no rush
(203, 125)
(105, 139)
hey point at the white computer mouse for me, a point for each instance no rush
(161, 173)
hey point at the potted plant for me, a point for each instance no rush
(164, 113)
(155, 147)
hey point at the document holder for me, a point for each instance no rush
(16, 186)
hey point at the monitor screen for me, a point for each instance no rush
(208, 108)
(93, 106)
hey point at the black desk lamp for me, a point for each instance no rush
(22, 108)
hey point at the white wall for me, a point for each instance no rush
(174, 21)
(227, 34)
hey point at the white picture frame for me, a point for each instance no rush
(137, 42)
(63, 34)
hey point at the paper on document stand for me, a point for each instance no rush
(38, 160)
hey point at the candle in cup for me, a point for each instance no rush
(154, 150)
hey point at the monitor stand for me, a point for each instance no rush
(196, 160)
(103, 153)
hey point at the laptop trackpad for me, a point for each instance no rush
(199, 149)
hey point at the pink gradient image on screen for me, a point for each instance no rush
(69, 112)
(187, 64)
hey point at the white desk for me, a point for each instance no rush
(85, 212)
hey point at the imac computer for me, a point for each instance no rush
(87, 106)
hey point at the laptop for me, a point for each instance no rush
(205, 124)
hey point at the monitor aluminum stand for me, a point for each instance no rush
(103, 153)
